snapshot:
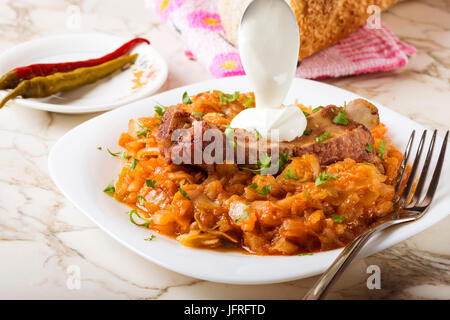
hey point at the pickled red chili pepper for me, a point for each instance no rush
(40, 87)
(11, 79)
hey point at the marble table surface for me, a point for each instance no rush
(42, 235)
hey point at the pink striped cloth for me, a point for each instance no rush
(199, 25)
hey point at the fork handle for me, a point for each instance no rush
(322, 285)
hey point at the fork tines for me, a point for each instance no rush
(414, 203)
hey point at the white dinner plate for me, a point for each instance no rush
(81, 172)
(140, 80)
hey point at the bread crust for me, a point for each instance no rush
(322, 23)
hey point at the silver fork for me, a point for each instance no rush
(404, 210)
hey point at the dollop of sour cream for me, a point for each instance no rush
(269, 44)
(288, 122)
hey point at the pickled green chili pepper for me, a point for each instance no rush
(40, 87)
(11, 79)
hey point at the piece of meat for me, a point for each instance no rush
(344, 141)
(174, 118)
(187, 147)
(182, 137)
(362, 111)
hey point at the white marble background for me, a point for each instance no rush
(41, 233)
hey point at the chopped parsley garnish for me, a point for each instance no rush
(244, 215)
(134, 164)
(337, 218)
(226, 98)
(253, 186)
(150, 183)
(184, 193)
(290, 174)
(323, 137)
(323, 177)
(305, 113)
(306, 194)
(257, 134)
(265, 161)
(221, 114)
(150, 238)
(110, 188)
(143, 132)
(305, 254)
(159, 110)
(228, 243)
(232, 97)
(283, 161)
(381, 150)
(317, 109)
(198, 114)
(143, 224)
(248, 103)
(341, 117)
(229, 134)
(307, 132)
(264, 191)
(254, 171)
(222, 98)
(120, 154)
(140, 199)
(369, 147)
(368, 163)
(186, 98)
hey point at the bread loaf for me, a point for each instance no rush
(322, 23)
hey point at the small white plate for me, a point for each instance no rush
(140, 80)
(81, 172)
